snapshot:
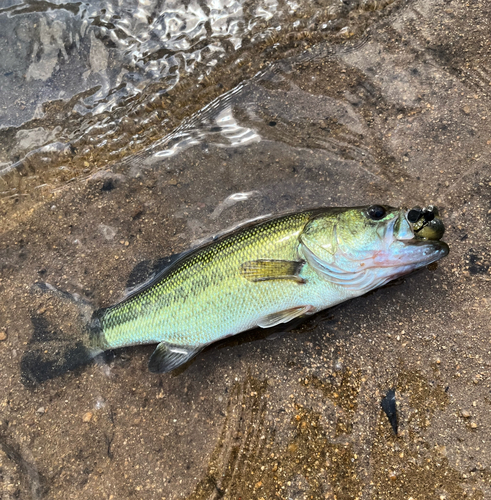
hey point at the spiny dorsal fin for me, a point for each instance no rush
(270, 269)
(167, 357)
(283, 316)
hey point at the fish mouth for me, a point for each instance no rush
(427, 251)
(406, 248)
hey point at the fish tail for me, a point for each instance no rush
(96, 339)
(54, 350)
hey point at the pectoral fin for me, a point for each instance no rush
(270, 269)
(167, 357)
(283, 316)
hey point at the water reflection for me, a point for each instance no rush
(109, 78)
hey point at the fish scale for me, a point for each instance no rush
(207, 281)
(263, 274)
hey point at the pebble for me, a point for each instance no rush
(87, 417)
(41, 409)
(3, 335)
(465, 414)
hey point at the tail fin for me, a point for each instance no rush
(55, 350)
(52, 351)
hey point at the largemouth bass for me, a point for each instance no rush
(265, 274)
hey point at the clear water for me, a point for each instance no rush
(131, 130)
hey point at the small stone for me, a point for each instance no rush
(3, 335)
(292, 448)
(442, 450)
(87, 417)
(41, 409)
(466, 110)
(465, 414)
(473, 425)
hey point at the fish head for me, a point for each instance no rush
(376, 240)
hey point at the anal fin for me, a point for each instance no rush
(283, 316)
(272, 269)
(167, 357)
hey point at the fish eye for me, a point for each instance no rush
(376, 212)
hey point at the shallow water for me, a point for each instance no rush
(130, 131)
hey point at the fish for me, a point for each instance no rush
(264, 274)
